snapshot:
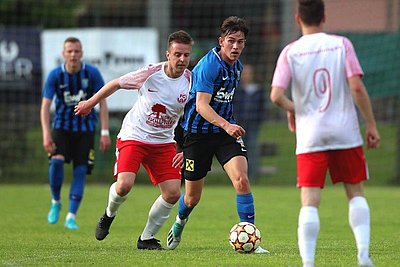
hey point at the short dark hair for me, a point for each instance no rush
(180, 37)
(311, 12)
(234, 24)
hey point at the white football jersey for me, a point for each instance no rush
(159, 106)
(318, 65)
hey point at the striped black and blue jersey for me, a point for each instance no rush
(214, 76)
(69, 89)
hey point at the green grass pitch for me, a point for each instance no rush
(28, 240)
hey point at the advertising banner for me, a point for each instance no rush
(115, 51)
(20, 66)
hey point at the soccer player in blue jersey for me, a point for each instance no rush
(210, 129)
(70, 137)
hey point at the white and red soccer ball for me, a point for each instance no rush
(244, 237)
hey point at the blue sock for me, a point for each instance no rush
(56, 176)
(77, 187)
(183, 210)
(245, 207)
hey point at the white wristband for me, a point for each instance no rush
(105, 132)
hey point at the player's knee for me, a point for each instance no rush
(123, 188)
(58, 156)
(242, 184)
(192, 201)
(124, 184)
(123, 191)
(172, 196)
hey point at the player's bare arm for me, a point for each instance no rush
(84, 107)
(279, 98)
(207, 112)
(291, 118)
(48, 143)
(362, 101)
(105, 141)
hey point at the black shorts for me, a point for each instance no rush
(77, 147)
(199, 150)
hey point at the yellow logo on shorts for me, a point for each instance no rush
(91, 154)
(189, 165)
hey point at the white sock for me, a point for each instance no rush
(114, 201)
(359, 220)
(158, 214)
(307, 232)
(70, 215)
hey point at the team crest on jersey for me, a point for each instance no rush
(85, 83)
(182, 98)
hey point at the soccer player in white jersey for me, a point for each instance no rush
(325, 78)
(147, 135)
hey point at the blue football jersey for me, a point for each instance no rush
(69, 89)
(214, 76)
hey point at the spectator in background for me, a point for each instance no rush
(249, 112)
(71, 137)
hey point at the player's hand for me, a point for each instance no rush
(82, 109)
(177, 161)
(48, 145)
(291, 121)
(235, 130)
(105, 143)
(372, 137)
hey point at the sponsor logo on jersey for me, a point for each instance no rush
(223, 96)
(72, 100)
(159, 117)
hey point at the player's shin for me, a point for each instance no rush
(308, 229)
(359, 220)
(158, 214)
(183, 210)
(245, 207)
(114, 201)
(56, 176)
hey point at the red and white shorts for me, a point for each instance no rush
(345, 165)
(156, 159)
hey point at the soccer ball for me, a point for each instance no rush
(244, 237)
